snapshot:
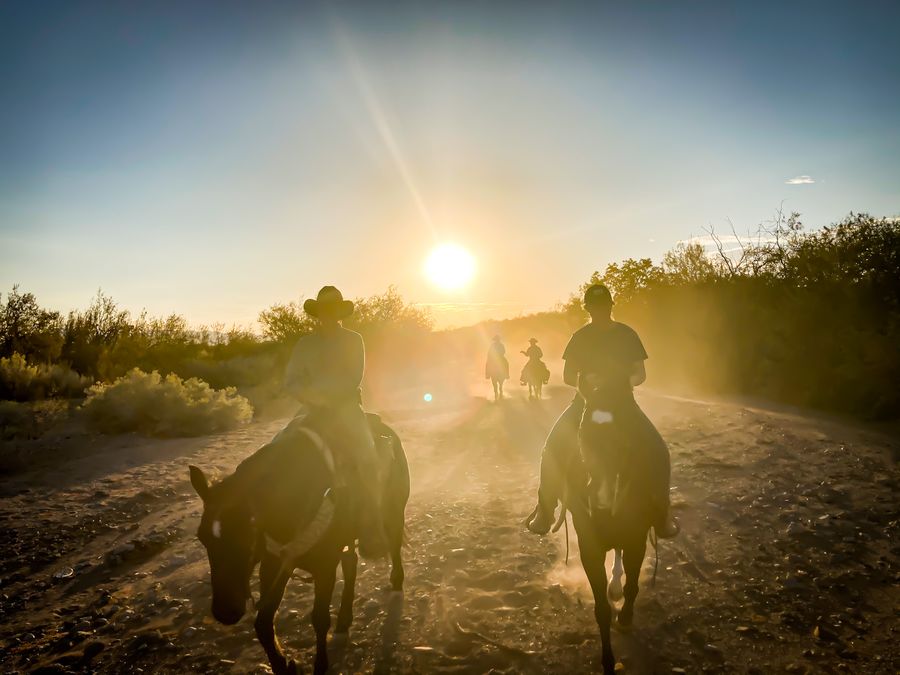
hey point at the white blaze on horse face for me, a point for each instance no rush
(601, 417)
(217, 529)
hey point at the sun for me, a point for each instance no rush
(450, 267)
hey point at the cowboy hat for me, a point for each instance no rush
(533, 340)
(329, 303)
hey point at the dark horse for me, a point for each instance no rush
(609, 493)
(284, 507)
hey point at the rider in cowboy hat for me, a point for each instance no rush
(325, 373)
(534, 354)
(609, 354)
(533, 351)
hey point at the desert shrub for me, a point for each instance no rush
(805, 318)
(377, 315)
(285, 323)
(105, 342)
(26, 328)
(20, 421)
(394, 333)
(21, 381)
(163, 406)
(238, 371)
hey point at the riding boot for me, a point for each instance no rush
(347, 429)
(541, 520)
(666, 526)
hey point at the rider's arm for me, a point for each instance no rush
(299, 375)
(638, 373)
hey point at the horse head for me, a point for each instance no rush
(228, 532)
(602, 445)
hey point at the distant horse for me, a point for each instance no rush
(535, 374)
(609, 493)
(496, 369)
(284, 507)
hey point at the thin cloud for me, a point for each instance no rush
(730, 243)
(800, 180)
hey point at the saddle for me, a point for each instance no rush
(308, 536)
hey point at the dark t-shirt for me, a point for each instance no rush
(608, 351)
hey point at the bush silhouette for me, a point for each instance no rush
(163, 406)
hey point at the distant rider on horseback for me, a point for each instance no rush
(496, 367)
(534, 354)
(605, 356)
(325, 373)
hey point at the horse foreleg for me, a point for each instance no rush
(272, 582)
(321, 615)
(615, 583)
(349, 560)
(593, 559)
(633, 555)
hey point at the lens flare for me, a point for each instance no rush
(427, 398)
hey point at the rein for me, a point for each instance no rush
(654, 542)
(308, 536)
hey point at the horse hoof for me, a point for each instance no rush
(293, 668)
(624, 621)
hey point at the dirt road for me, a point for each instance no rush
(788, 560)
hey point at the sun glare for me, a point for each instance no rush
(450, 266)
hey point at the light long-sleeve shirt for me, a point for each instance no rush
(326, 369)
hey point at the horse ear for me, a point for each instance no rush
(199, 481)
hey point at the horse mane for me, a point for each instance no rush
(254, 467)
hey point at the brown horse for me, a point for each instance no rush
(610, 495)
(285, 508)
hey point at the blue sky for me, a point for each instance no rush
(213, 158)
